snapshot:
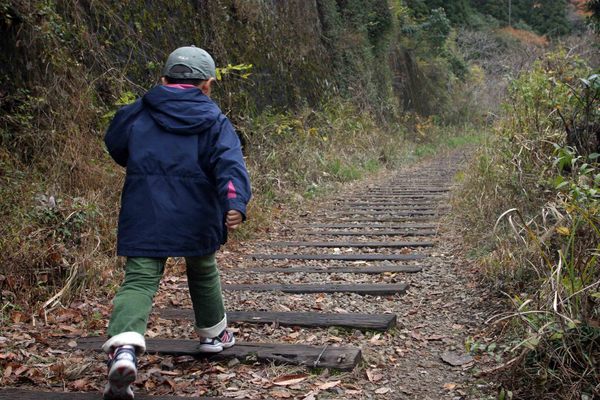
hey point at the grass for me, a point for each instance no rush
(58, 236)
(529, 210)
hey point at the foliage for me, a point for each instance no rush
(458, 11)
(593, 6)
(581, 117)
(541, 196)
(545, 18)
(326, 79)
(435, 68)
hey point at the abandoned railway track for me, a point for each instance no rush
(345, 287)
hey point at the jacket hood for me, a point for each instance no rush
(181, 111)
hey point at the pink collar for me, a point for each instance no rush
(180, 86)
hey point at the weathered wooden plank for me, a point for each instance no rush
(390, 212)
(392, 203)
(344, 358)
(340, 270)
(349, 244)
(387, 207)
(409, 190)
(12, 394)
(363, 289)
(379, 322)
(372, 233)
(341, 257)
(355, 219)
(363, 225)
(393, 196)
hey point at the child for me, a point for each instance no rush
(186, 182)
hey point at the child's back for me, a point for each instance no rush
(186, 184)
(184, 170)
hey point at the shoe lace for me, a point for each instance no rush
(122, 352)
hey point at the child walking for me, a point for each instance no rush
(186, 185)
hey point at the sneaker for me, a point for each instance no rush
(215, 345)
(122, 372)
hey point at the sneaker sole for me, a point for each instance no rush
(217, 348)
(120, 378)
(210, 348)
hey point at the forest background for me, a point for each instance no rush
(323, 92)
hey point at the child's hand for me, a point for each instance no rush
(233, 220)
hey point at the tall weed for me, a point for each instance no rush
(532, 203)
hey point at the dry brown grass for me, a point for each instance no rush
(526, 37)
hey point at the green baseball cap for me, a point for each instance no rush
(200, 65)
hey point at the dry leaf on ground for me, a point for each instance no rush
(286, 380)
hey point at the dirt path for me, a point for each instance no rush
(438, 313)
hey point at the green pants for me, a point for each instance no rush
(133, 302)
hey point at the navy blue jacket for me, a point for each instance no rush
(185, 170)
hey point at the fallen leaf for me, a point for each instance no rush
(8, 356)
(81, 384)
(450, 386)
(172, 373)
(71, 329)
(285, 380)
(280, 394)
(17, 317)
(383, 390)
(377, 341)
(435, 337)
(374, 376)
(329, 385)
(21, 369)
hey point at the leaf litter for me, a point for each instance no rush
(440, 310)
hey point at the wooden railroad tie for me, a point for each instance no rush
(370, 270)
(411, 190)
(12, 394)
(389, 212)
(404, 195)
(416, 232)
(340, 257)
(360, 225)
(386, 207)
(362, 289)
(378, 322)
(389, 203)
(379, 219)
(349, 244)
(376, 218)
(342, 358)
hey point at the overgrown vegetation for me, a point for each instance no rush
(549, 17)
(538, 185)
(320, 92)
(324, 92)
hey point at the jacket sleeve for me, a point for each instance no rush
(117, 135)
(229, 167)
